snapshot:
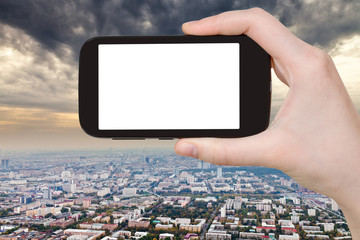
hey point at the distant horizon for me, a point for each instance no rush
(69, 156)
(88, 149)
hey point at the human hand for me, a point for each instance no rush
(315, 137)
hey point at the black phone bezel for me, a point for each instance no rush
(255, 88)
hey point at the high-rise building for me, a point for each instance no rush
(334, 205)
(296, 200)
(87, 203)
(5, 164)
(190, 179)
(219, 172)
(328, 227)
(223, 212)
(206, 165)
(295, 219)
(177, 172)
(73, 187)
(47, 194)
(312, 212)
(25, 199)
(69, 187)
(237, 202)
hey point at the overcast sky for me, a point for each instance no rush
(40, 43)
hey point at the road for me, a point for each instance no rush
(209, 221)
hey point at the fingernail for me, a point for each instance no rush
(188, 150)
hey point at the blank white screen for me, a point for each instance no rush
(169, 86)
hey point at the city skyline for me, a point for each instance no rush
(157, 194)
(41, 42)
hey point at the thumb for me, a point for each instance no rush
(257, 150)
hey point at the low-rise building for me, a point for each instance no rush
(218, 235)
(179, 221)
(110, 227)
(97, 226)
(139, 235)
(317, 236)
(311, 228)
(266, 229)
(84, 232)
(166, 235)
(97, 219)
(194, 227)
(85, 225)
(294, 236)
(166, 220)
(191, 236)
(122, 233)
(106, 219)
(250, 235)
(163, 226)
(139, 224)
(268, 221)
(62, 223)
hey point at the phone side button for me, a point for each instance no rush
(166, 138)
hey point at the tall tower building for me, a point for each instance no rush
(5, 164)
(219, 172)
(223, 212)
(73, 186)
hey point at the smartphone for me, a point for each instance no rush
(133, 87)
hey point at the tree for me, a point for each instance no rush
(278, 229)
(11, 230)
(49, 215)
(123, 224)
(64, 210)
(302, 234)
(5, 212)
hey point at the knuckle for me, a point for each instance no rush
(257, 10)
(319, 58)
(319, 66)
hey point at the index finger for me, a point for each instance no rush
(256, 23)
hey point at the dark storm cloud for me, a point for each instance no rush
(326, 22)
(54, 22)
(51, 33)
(72, 22)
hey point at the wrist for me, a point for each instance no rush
(352, 214)
(347, 197)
